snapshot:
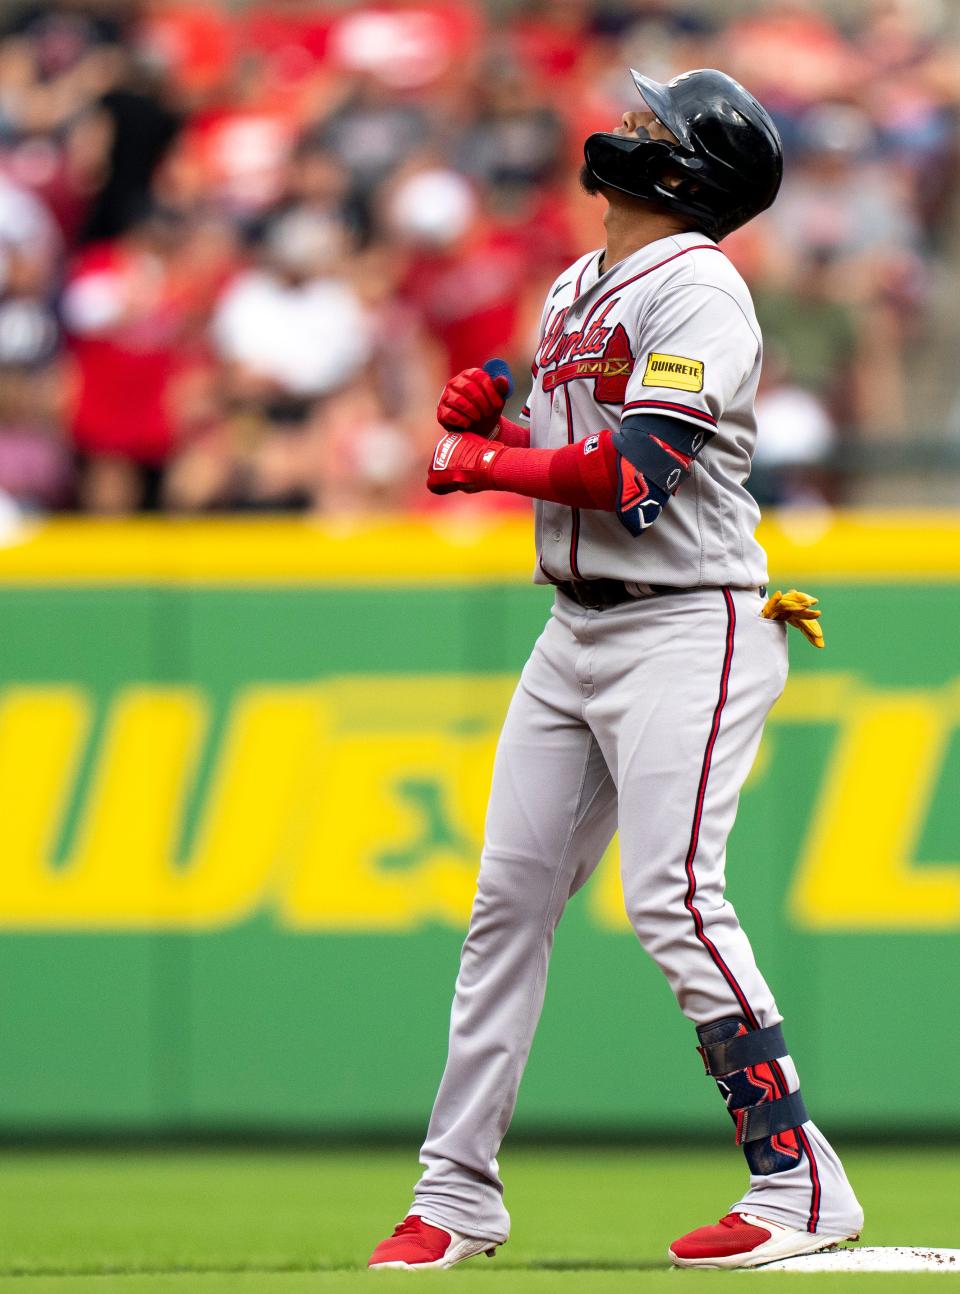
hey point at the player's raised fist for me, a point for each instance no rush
(462, 461)
(473, 401)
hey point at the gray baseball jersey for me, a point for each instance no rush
(671, 330)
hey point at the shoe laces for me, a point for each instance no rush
(410, 1226)
(731, 1220)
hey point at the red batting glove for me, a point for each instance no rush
(581, 475)
(473, 401)
(462, 461)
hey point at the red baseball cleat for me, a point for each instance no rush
(744, 1240)
(417, 1243)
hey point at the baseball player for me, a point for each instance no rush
(642, 705)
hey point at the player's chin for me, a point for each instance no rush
(588, 181)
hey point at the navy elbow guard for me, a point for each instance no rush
(655, 457)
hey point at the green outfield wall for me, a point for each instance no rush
(243, 770)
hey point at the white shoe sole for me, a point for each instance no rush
(791, 1245)
(458, 1252)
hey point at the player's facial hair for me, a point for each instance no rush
(588, 181)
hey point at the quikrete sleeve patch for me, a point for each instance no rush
(674, 371)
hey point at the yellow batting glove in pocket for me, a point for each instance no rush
(796, 609)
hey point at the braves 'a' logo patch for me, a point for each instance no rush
(674, 371)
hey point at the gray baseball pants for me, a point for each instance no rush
(644, 718)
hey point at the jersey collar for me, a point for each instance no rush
(643, 258)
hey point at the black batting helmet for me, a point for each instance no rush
(724, 169)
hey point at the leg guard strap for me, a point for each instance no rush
(731, 1054)
(769, 1117)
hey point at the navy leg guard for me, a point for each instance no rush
(745, 1065)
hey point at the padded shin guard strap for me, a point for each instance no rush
(770, 1117)
(731, 1054)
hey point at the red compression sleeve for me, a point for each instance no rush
(583, 475)
(512, 434)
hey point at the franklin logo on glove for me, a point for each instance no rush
(444, 452)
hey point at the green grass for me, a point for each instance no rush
(289, 1222)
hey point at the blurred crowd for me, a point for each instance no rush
(242, 248)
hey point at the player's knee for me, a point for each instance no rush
(514, 891)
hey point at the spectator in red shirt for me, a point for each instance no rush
(124, 323)
(465, 276)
